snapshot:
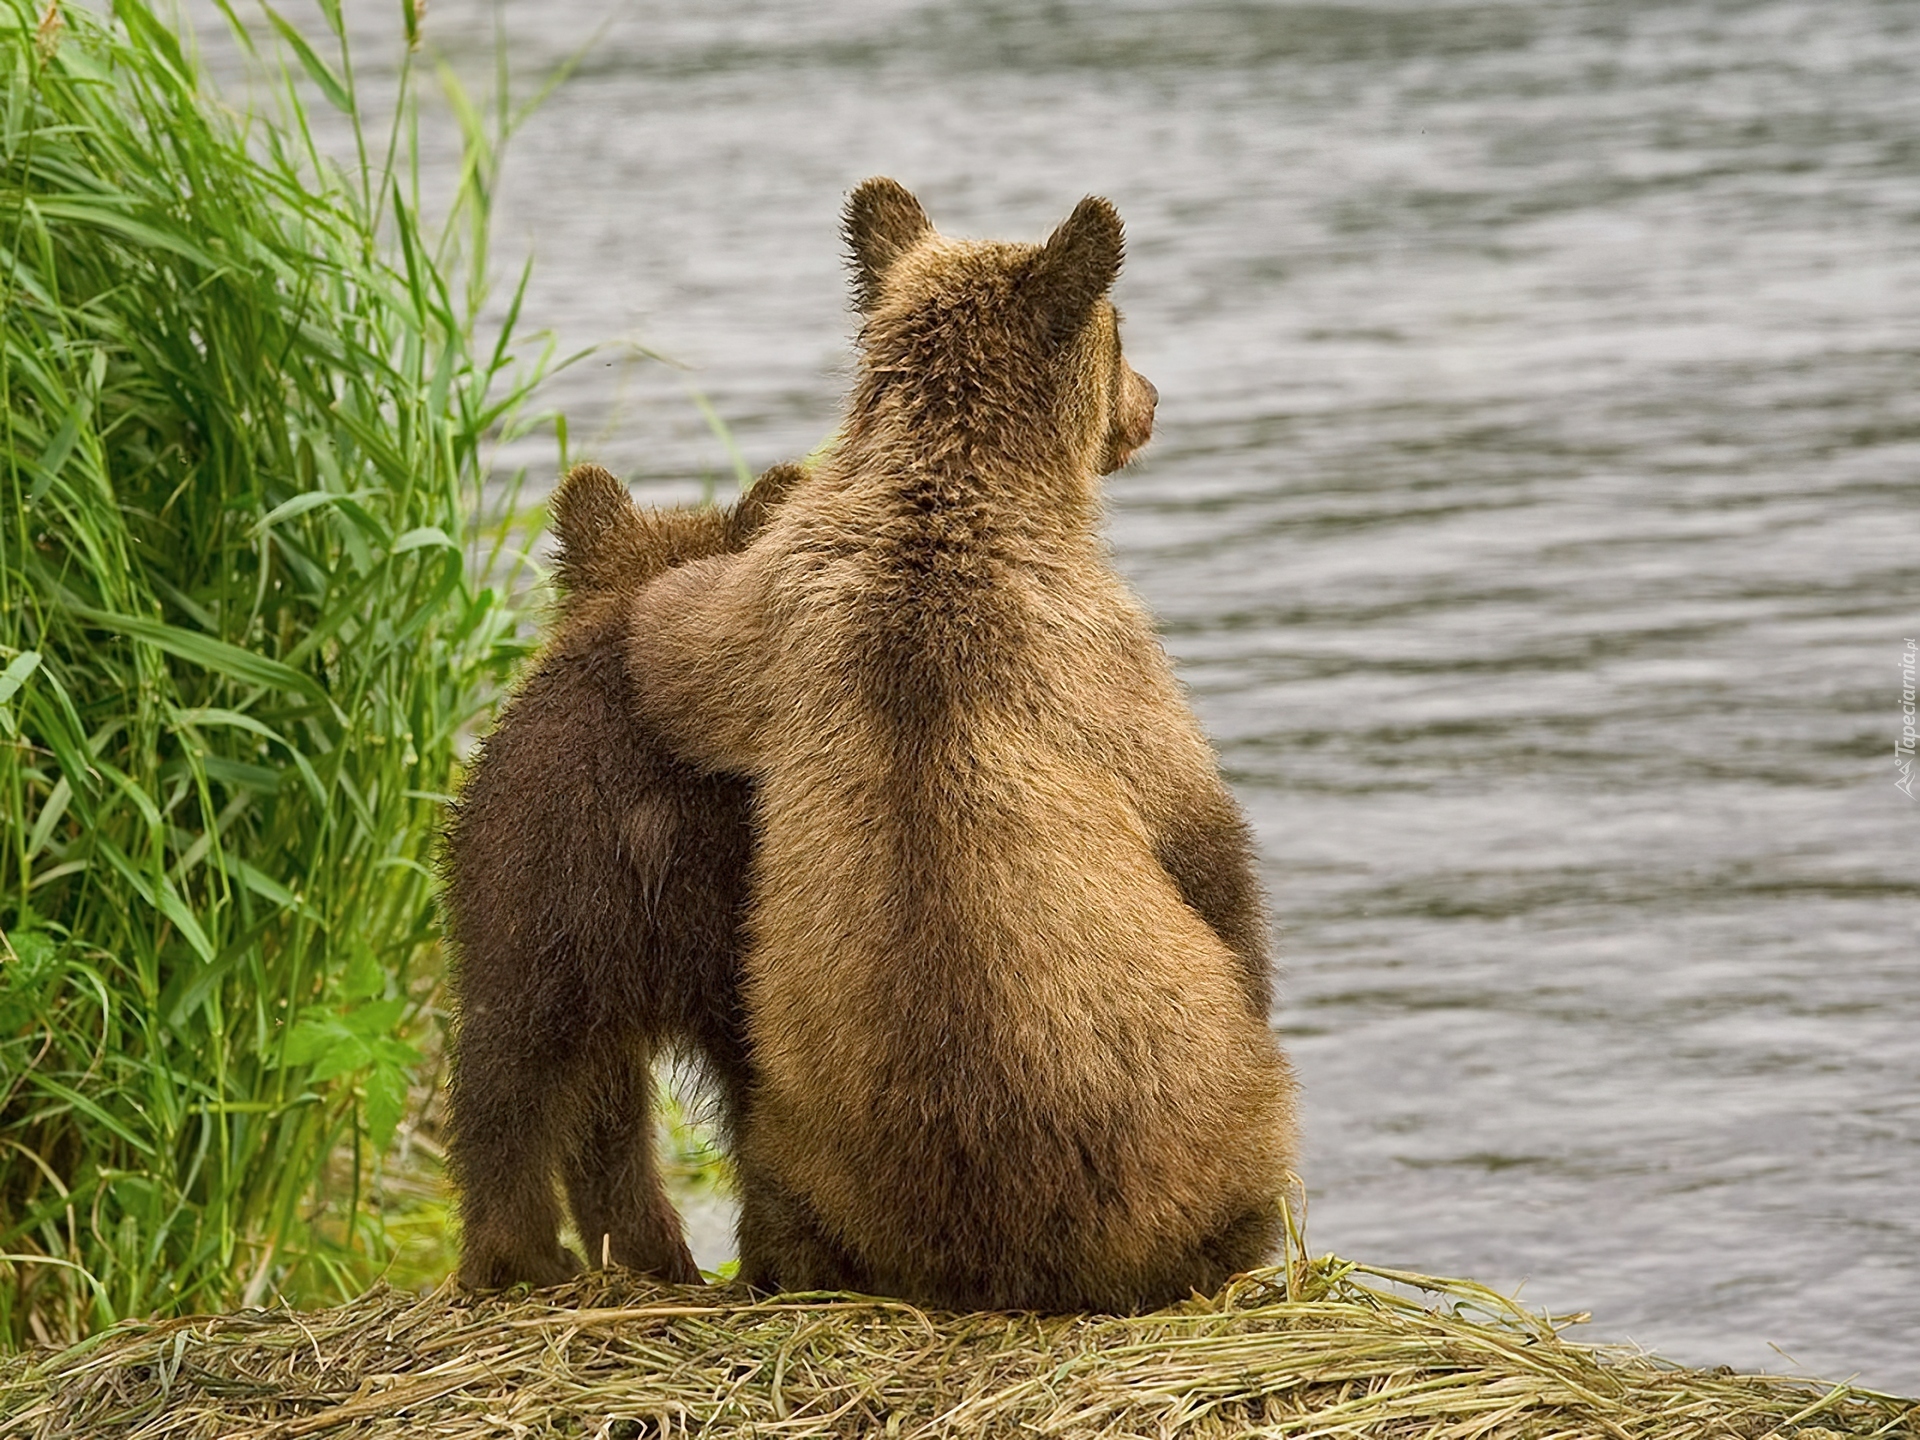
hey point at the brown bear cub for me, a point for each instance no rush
(594, 896)
(1006, 984)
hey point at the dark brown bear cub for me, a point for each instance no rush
(595, 887)
(1006, 987)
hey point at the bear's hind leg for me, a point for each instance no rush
(1245, 1242)
(506, 1134)
(783, 1245)
(612, 1172)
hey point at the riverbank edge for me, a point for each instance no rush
(1315, 1347)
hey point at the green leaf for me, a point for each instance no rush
(303, 502)
(208, 653)
(422, 536)
(215, 715)
(175, 909)
(87, 211)
(316, 1036)
(365, 976)
(33, 949)
(347, 1055)
(60, 447)
(239, 775)
(267, 888)
(315, 67)
(15, 675)
(58, 799)
(386, 1103)
(95, 1112)
(395, 1052)
(374, 1018)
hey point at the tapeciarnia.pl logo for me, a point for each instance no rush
(1903, 747)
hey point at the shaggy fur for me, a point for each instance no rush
(595, 887)
(1007, 986)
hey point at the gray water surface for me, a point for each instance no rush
(1533, 515)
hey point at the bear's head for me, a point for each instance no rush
(984, 347)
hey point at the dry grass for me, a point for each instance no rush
(1315, 1348)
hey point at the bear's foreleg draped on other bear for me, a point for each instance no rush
(594, 895)
(1006, 983)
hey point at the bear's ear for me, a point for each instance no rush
(883, 222)
(1077, 265)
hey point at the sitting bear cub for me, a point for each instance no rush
(1005, 981)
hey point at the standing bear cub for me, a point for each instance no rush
(594, 895)
(1005, 982)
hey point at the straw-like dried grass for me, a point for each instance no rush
(1316, 1348)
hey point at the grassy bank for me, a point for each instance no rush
(1315, 1348)
(246, 419)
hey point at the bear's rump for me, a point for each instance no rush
(999, 1021)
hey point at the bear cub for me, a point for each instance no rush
(1006, 983)
(594, 893)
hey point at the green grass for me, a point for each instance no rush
(246, 428)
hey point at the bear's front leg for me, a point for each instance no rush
(1206, 847)
(698, 651)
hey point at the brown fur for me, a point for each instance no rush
(1007, 986)
(595, 886)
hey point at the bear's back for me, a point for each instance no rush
(1029, 1023)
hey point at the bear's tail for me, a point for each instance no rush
(603, 541)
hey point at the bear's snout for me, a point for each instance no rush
(1132, 418)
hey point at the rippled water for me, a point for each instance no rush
(1533, 514)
